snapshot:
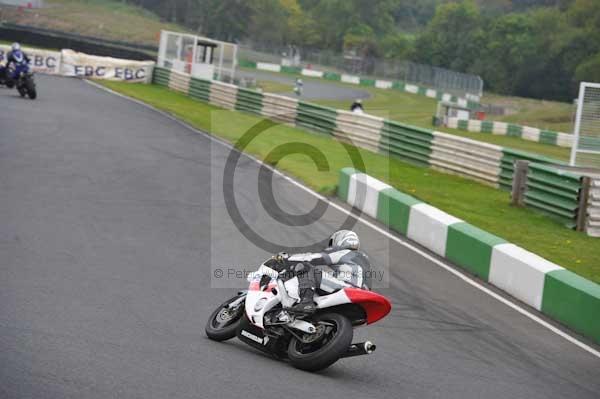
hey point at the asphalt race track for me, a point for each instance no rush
(312, 89)
(112, 223)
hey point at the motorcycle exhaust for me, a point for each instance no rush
(360, 348)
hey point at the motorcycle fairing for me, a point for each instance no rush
(376, 306)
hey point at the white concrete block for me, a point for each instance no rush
(531, 133)
(500, 128)
(350, 79)
(474, 125)
(383, 84)
(411, 89)
(265, 66)
(452, 123)
(564, 140)
(429, 227)
(363, 193)
(312, 72)
(520, 273)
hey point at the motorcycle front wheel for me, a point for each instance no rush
(320, 350)
(223, 322)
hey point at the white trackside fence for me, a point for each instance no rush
(586, 146)
(75, 64)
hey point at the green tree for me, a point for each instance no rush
(398, 45)
(452, 38)
(508, 49)
(589, 70)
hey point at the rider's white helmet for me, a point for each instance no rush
(15, 46)
(344, 239)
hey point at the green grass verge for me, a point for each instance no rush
(269, 86)
(482, 206)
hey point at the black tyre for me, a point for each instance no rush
(31, 91)
(22, 91)
(223, 322)
(332, 340)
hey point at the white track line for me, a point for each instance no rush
(378, 229)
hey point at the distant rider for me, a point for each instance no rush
(357, 106)
(299, 86)
(342, 255)
(15, 56)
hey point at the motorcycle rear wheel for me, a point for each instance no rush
(315, 357)
(31, 91)
(223, 322)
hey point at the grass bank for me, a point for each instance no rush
(108, 19)
(480, 205)
(269, 86)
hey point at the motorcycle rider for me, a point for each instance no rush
(357, 106)
(342, 255)
(15, 56)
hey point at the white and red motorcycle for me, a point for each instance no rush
(260, 318)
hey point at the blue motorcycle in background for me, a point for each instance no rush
(19, 75)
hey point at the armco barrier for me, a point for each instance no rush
(315, 117)
(280, 108)
(223, 95)
(179, 82)
(249, 101)
(479, 161)
(406, 142)
(592, 227)
(200, 89)
(362, 130)
(507, 164)
(553, 191)
(509, 129)
(543, 285)
(161, 76)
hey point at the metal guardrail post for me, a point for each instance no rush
(584, 195)
(519, 185)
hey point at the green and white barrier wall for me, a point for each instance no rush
(543, 285)
(553, 191)
(490, 164)
(357, 80)
(592, 227)
(509, 129)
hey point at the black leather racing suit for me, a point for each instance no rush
(352, 263)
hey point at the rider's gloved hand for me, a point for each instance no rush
(282, 258)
